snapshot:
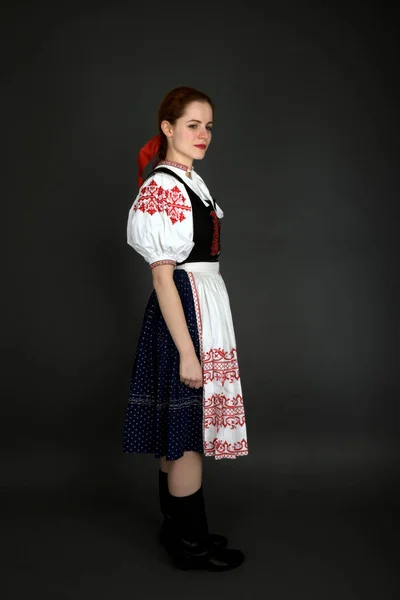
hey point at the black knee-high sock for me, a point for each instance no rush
(189, 517)
(202, 509)
(163, 492)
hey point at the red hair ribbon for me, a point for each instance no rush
(149, 151)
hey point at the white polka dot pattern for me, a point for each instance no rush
(163, 415)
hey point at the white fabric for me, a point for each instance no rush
(160, 221)
(224, 425)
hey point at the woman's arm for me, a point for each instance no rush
(172, 311)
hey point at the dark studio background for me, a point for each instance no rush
(304, 162)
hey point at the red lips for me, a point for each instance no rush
(202, 146)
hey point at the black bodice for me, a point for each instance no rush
(206, 225)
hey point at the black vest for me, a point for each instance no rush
(206, 225)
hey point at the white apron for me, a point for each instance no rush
(224, 423)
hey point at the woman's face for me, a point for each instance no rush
(190, 136)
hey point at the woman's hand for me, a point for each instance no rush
(190, 371)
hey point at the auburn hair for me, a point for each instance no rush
(172, 108)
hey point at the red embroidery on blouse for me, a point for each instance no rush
(215, 240)
(153, 198)
(166, 261)
(220, 365)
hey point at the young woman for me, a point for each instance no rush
(185, 399)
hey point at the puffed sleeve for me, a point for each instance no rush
(160, 221)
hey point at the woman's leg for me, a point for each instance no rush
(164, 464)
(181, 477)
(177, 480)
(189, 543)
(187, 511)
(185, 474)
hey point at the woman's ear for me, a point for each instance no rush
(166, 128)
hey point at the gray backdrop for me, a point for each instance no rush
(304, 163)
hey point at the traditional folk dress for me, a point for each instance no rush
(174, 220)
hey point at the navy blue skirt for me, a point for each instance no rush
(163, 416)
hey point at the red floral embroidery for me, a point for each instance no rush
(215, 240)
(220, 411)
(223, 449)
(153, 198)
(221, 365)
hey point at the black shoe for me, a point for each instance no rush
(189, 544)
(187, 555)
(214, 539)
(166, 533)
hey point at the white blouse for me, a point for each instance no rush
(160, 221)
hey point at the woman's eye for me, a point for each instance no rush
(194, 125)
